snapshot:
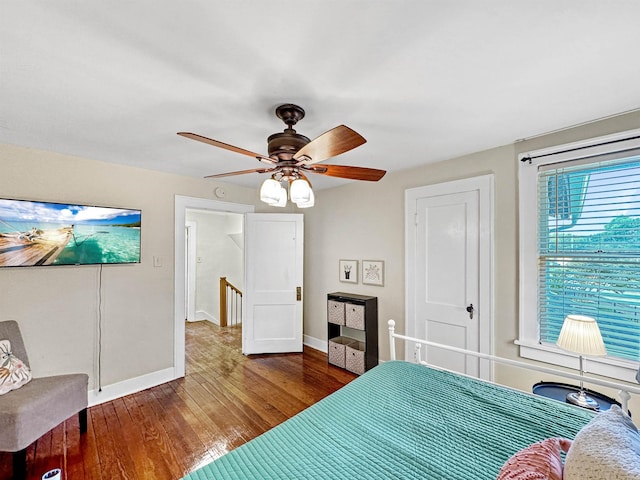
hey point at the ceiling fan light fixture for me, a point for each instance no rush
(270, 191)
(300, 191)
(282, 202)
(310, 203)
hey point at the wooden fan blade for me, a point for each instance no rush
(242, 172)
(343, 171)
(334, 142)
(226, 146)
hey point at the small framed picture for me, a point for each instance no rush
(373, 272)
(349, 271)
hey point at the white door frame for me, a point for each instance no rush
(191, 230)
(182, 203)
(484, 185)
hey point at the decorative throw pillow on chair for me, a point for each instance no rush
(13, 372)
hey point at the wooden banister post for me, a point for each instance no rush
(223, 301)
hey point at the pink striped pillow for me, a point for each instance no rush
(540, 460)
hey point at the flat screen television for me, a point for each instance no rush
(43, 233)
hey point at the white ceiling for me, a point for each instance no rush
(421, 80)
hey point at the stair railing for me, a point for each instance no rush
(230, 304)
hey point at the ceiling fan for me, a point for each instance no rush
(291, 155)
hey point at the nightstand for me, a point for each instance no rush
(559, 391)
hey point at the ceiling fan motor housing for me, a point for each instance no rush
(283, 146)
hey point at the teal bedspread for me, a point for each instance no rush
(401, 421)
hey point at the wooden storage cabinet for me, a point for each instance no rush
(352, 322)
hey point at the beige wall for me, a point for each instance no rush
(57, 306)
(366, 221)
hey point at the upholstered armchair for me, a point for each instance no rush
(32, 410)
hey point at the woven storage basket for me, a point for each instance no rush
(354, 316)
(337, 350)
(335, 312)
(354, 354)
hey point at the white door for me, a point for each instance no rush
(449, 271)
(273, 283)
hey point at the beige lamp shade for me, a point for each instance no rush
(580, 334)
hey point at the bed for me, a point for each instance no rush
(403, 420)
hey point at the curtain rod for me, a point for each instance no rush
(528, 158)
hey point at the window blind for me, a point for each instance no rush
(589, 249)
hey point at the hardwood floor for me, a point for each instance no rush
(165, 432)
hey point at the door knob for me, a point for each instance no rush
(470, 309)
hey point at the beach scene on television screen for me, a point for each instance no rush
(40, 233)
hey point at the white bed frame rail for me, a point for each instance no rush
(624, 390)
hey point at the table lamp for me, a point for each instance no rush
(580, 334)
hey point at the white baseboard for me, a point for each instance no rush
(137, 384)
(203, 315)
(132, 385)
(315, 343)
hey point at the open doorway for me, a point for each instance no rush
(214, 266)
(182, 207)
